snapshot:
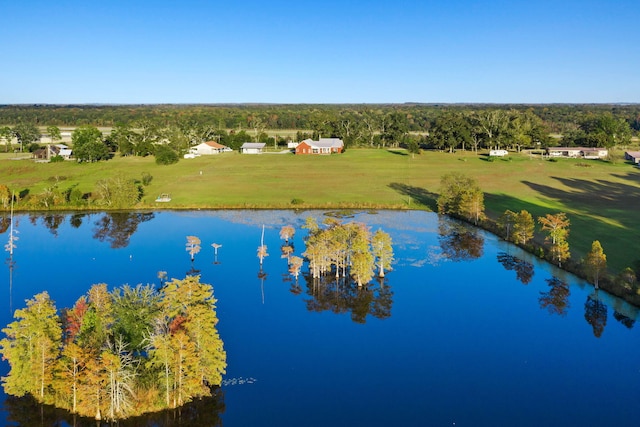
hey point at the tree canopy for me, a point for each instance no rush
(117, 354)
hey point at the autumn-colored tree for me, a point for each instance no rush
(507, 220)
(101, 368)
(523, 228)
(193, 246)
(295, 264)
(31, 346)
(595, 263)
(262, 249)
(5, 196)
(557, 225)
(287, 232)
(560, 251)
(382, 251)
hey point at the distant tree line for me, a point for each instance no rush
(117, 354)
(448, 127)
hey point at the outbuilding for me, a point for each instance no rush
(252, 148)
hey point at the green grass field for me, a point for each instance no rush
(602, 199)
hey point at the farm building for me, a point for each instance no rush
(578, 152)
(252, 148)
(634, 156)
(323, 146)
(209, 147)
(50, 151)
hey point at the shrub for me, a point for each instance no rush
(165, 155)
(146, 178)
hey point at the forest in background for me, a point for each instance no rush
(449, 126)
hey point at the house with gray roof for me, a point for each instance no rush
(252, 148)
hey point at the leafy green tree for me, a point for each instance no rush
(595, 263)
(6, 134)
(54, 133)
(605, 130)
(117, 192)
(88, 144)
(165, 155)
(26, 134)
(136, 310)
(450, 131)
(461, 196)
(124, 138)
(32, 345)
(523, 228)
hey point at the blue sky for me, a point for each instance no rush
(190, 51)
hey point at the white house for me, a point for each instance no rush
(252, 147)
(209, 147)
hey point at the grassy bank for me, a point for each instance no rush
(601, 199)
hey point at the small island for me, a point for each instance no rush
(118, 354)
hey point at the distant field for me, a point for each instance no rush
(602, 199)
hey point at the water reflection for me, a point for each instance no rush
(626, 321)
(556, 299)
(26, 412)
(595, 313)
(524, 270)
(459, 241)
(343, 295)
(118, 227)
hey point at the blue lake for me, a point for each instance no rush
(467, 330)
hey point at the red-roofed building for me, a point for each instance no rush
(209, 147)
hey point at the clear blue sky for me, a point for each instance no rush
(188, 51)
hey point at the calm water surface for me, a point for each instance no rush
(466, 330)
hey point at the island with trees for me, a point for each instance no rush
(117, 354)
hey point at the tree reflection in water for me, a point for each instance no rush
(524, 270)
(626, 321)
(118, 227)
(25, 411)
(595, 313)
(460, 242)
(556, 299)
(343, 295)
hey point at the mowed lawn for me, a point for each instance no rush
(601, 199)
